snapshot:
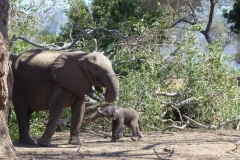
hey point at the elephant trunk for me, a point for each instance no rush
(112, 88)
(100, 110)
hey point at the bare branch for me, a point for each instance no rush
(184, 19)
(157, 154)
(53, 4)
(86, 120)
(228, 122)
(46, 46)
(90, 118)
(199, 124)
(193, 13)
(91, 109)
(237, 118)
(112, 32)
(69, 45)
(175, 126)
(237, 145)
(166, 94)
(94, 97)
(74, 154)
(180, 104)
(180, 116)
(90, 31)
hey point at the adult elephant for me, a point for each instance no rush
(48, 80)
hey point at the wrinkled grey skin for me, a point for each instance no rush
(47, 80)
(120, 117)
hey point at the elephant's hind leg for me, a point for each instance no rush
(133, 126)
(77, 113)
(23, 117)
(140, 135)
(57, 102)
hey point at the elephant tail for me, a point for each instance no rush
(13, 57)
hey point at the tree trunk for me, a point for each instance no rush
(7, 150)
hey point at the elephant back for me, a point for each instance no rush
(31, 72)
(36, 58)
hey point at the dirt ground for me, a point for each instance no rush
(168, 146)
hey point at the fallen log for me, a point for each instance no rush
(92, 117)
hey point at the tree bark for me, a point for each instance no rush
(7, 150)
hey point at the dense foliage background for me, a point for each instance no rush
(165, 68)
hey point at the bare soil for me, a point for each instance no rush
(186, 145)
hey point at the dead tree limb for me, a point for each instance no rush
(90, 102)
(95, 97)
(114, 33)
(199, 124)
(237, 118)
(228, 122)
(90, 118)
(90, 109)
(175, 126)
(86, 120)
(43, 46)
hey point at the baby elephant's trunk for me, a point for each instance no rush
(100, 110)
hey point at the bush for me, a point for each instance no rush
(196, 73)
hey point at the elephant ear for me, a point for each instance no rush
(68, 72)
(115, 116)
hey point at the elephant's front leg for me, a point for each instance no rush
(114, 126)
(119, 128)
(77, 113)
(59, 99)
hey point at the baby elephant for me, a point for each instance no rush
(120, 117)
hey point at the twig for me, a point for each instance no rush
(74, 154)
(157, 154)
(99, 134)
(163, 113)
(237, 145)
(169, 150)
(199, 124)
(139, 103)
(182, 19)
(168, 120)
(166, 94)
(185, 102)
(174, 126)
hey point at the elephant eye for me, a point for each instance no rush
(95, 68)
